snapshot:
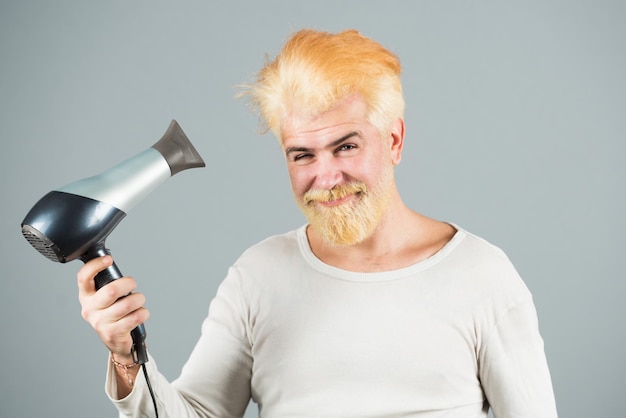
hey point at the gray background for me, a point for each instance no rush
(515, 124)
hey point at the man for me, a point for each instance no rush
(370, 309)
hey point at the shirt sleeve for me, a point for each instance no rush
(214, 382)
(513, 367)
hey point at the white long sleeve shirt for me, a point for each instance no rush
(444, 338)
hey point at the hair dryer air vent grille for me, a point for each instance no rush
(42, 244)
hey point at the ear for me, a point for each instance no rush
(396, 140)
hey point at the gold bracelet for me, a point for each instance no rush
(125, 367)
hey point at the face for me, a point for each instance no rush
(341, 170)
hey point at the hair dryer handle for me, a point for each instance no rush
(138, 334)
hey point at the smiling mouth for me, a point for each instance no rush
(337, 201)
(336, 196)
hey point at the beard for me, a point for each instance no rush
(348, 223)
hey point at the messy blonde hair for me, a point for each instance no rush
(315, 70)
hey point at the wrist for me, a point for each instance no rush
(127, 366)
(122, 359)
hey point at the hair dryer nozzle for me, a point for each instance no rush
(177, 150)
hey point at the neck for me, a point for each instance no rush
(402, 238)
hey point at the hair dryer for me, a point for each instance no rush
(74, 221)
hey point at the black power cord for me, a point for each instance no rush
(154, 402)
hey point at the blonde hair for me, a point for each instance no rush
(315, 70)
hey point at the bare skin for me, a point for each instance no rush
(112, 316)
(384, 253)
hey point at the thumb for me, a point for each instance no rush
(87, 273)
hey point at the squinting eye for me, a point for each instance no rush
(301, 157)
(346, 147)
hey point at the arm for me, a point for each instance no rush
(113, 316)
(216, 378)
(217, 375)
(513, 368)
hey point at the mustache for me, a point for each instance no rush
(338, 192)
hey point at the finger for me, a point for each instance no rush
(125, 306)
(110, 327)
(133, 319)
(117, 320)
(86, 274)
(116, 335)
(107, 295)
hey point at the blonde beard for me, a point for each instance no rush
(348, 223)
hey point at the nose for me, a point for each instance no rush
(327, 174)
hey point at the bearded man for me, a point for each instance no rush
(370, 309)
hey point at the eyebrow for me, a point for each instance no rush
(331, 145)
